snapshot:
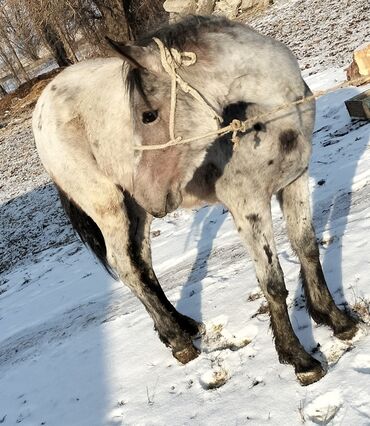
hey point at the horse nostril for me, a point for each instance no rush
(173, 200)
(169, 202)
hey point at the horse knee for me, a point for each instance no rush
(275, 289)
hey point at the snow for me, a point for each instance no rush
(78, 349)
(321, 34)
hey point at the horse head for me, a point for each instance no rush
(160, 175)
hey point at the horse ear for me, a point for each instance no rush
(137, 56)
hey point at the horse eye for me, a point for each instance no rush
(149, 116)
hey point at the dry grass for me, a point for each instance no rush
(361, 308)
(25, 96)
(262, 310)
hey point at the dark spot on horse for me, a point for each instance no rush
(71, 98)
(253, 218)
(259, 127)
(288, 140)
(321, 182)
(63, 90)
(237, 110)
(270, 162)
(239, 228)
(268, 253)
(276, 288)
(213, 173)
(39, 123)
(255, 221)
(53, 88)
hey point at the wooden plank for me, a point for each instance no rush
(359, 106)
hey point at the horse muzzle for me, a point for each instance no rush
(173, 200)
(171, 203)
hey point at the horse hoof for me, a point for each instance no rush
(186, 355)
(311, 376)
(347, 334)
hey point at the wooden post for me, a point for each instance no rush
(359, 106)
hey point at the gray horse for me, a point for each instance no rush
(89, 119)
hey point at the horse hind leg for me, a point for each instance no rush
(254, 224)
(294, 200)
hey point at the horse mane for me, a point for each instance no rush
(176, 35)
(187, 31)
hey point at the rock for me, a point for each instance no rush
(205, 7)
(247, 4)
(323, 409)
(181, 7)
(251, 4)
(228, 8)
(360, 66)
(215, 378)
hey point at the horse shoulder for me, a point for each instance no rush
(86, 109)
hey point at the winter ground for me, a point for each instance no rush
(78, 349)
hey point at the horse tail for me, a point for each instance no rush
(88, 231)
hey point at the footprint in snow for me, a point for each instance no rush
(335, 349)
(323, 408)
(217, 337)
(214, 378)
(362, 363)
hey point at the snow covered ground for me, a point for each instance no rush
(76, 348)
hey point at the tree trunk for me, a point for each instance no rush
(18, 61)
(56, 45)
(8, 62)
(144, 16)
(130, 19)
(3, 92)
(114, 20)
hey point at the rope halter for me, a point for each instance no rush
(172, 60)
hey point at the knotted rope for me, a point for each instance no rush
(172, 59)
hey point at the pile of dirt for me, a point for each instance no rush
(25, 96)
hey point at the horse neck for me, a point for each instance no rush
(231, 75)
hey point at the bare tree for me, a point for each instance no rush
(70, 29)
(8, 53)
(144, 15)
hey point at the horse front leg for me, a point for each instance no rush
(140, 256)
(127, 241)
(294, 200)
(254, 223)
(124, 227)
